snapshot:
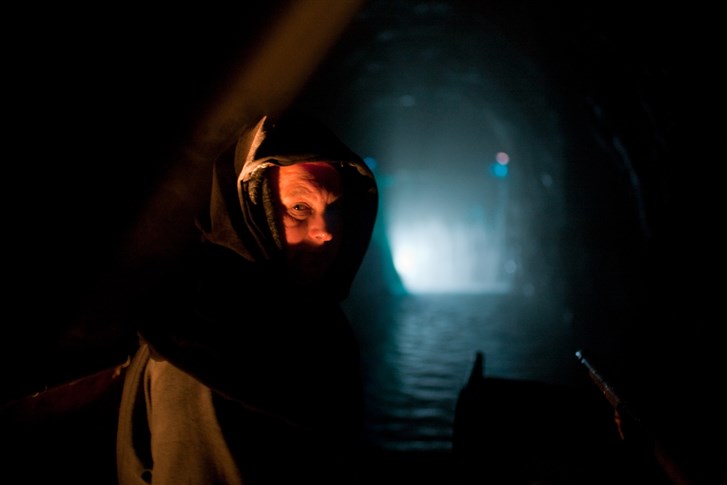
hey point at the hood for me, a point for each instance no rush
(242, 212)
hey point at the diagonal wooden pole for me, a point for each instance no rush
(265, 80)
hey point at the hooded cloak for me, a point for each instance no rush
(231, 315)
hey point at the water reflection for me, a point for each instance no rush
(418, 351)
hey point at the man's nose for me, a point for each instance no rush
(318, 229)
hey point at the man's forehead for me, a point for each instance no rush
(321, 174)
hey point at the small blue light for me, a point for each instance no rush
(499, 171)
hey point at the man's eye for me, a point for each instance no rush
(299, 211)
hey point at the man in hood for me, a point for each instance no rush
(248, 370)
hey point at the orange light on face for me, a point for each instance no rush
(309, 195)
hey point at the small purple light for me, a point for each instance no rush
(502, 158)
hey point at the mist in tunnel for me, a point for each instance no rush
(456, 218)
(466, 141)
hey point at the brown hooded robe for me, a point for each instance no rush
(244, 376)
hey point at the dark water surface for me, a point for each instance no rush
(418, 352)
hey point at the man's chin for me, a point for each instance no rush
(311, 267)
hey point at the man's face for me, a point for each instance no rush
(310, 198)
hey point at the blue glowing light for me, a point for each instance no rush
(498, 170)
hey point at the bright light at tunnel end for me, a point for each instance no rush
(422, 271)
